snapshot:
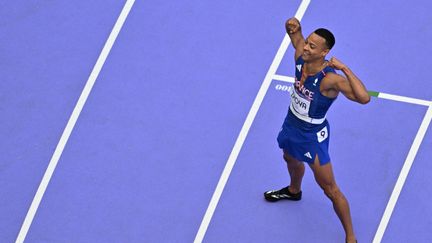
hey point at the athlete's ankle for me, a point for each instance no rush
(293, 190)
(350, 239)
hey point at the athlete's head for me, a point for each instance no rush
(327, 35)
(318, 44)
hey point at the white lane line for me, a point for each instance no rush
(245, 129)
(403, 175)
(283, 78)
(381, 95)
(404, 99)
(72, 120)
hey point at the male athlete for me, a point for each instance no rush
(305, 132)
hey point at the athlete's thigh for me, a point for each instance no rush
(323, 173)
(290, 159)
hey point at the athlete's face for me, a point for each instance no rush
(315, 48)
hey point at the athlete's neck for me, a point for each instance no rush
(315, 66)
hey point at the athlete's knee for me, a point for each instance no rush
(291, 160)
(332, 191)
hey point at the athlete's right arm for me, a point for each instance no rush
(293, 29)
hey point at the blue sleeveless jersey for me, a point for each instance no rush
(308, 106)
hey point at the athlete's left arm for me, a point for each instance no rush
(350, 85)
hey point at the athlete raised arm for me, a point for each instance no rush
(293, 29)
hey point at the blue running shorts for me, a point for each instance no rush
(304, 145)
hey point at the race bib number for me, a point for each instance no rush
(300, 104)
(322, 135)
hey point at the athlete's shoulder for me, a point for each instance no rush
(329, 69)
(333, 77)
(331, 80)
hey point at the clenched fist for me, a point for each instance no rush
(292, 25)
(336, 64)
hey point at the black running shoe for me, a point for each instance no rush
(283, 193)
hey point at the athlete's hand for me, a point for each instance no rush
(336, 64)
(292, 25)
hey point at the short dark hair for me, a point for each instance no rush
(327, 35)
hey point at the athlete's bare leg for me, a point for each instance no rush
(296, 171)
(325, 179)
